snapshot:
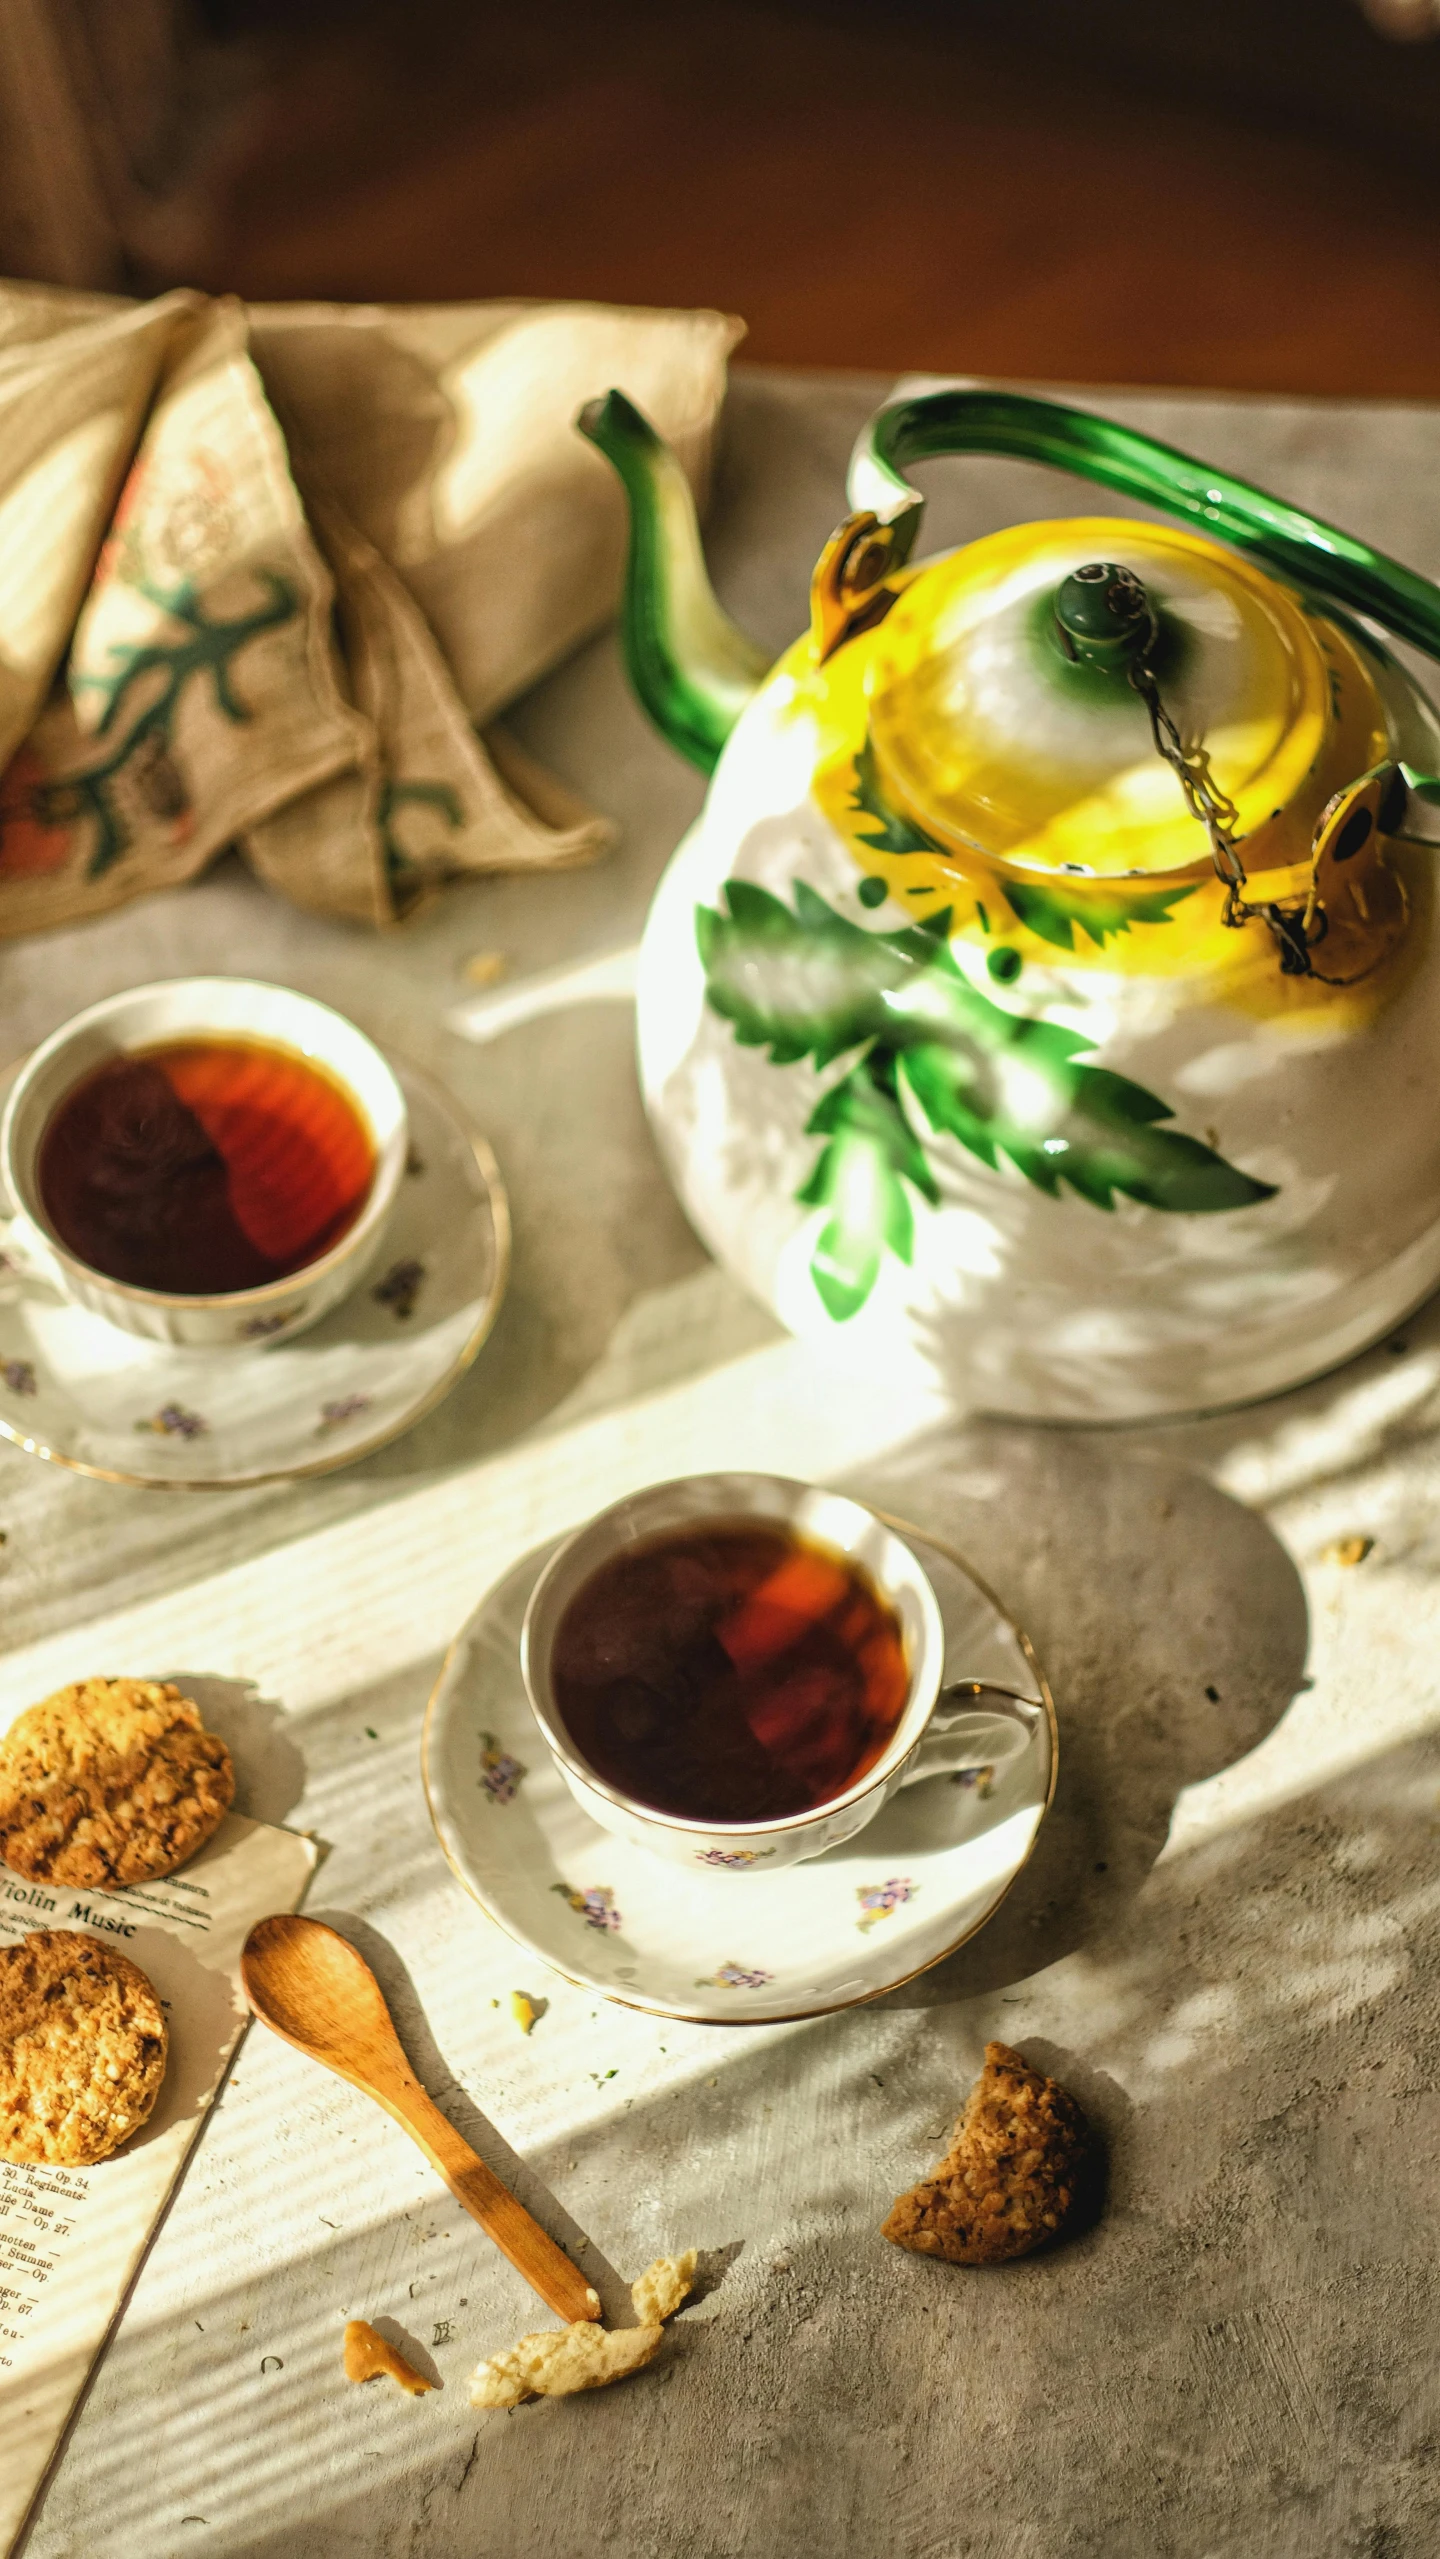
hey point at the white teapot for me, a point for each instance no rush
(1049, 993)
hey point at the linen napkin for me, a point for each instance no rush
(265, 575)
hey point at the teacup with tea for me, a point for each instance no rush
(737, 1671)
(207, 1162)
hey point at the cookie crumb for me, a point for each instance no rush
(658, 2293)
(368, 2355)
(1347, 1550)
(1009, 2179)
(484, 968)
(559, 2361)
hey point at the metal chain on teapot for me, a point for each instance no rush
(1219, 817)
(1104, 618)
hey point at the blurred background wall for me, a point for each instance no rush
(1244, 193)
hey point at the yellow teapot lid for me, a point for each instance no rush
(995, 740)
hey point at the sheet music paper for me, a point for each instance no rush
(72, 2238)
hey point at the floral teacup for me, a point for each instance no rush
(968, 1725)
(200, 1008)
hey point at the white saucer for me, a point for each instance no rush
(80, 1392)
(727, 1948)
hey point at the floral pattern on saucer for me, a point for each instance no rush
(500, 1775)
(18, 1375)
(595, 1904)
(878, 1900)
(734, 1977)
(400, 1288)
(175, 1421)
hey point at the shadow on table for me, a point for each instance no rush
(1236, 2356)
(1171, 1624)
(269, 1764)
(596, 1227)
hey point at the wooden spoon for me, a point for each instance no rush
(310, 1985)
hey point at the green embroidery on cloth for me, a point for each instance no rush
(145, 751)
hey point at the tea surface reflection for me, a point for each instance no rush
(201, 1167)
(730, 1673)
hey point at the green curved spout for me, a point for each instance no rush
(691, 668)
(1333, 566)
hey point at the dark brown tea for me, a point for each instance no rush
(203, 1166)
(730, 1673)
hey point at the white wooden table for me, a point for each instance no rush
(1225, 1942)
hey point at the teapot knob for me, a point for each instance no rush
(1103, 616)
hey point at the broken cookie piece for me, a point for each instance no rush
(368, 2354)
(1009, 2179)
(558, 2361)
(658, 2293)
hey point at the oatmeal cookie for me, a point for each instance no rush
(112, 1781)
(83, 2041)
(1009, 2179)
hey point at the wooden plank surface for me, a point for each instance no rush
(987, 190)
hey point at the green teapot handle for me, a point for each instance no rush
(1316, 556)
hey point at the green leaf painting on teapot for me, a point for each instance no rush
(810, 983)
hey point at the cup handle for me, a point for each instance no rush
(976, 1724)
